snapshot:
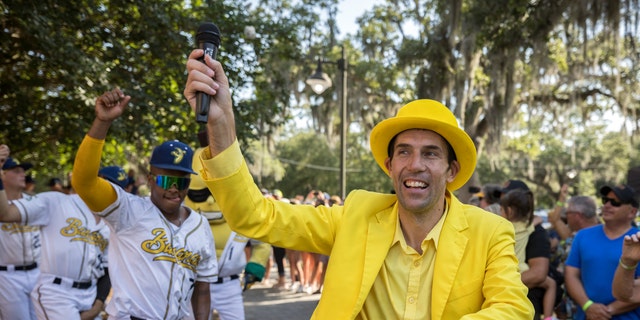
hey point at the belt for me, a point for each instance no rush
(76, 284)
(136, 318)
(229, 278)
(20, 268)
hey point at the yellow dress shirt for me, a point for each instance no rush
(405, 279)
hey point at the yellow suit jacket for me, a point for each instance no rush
(475, 276)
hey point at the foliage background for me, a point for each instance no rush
(544, 88)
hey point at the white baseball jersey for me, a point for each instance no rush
(74, 246)
(153, 263)
(19, 247)
(19, 243)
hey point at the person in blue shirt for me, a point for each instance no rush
(595, 255)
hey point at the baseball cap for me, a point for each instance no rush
(54, 181)
(12, 163)
(511, 185)
(115, 174)
(173, 155)
(625, 194)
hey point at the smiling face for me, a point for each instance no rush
(620, 215)
(170, 200)
(420, 171)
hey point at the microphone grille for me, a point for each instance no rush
(208, 32)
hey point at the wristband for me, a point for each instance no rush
(559, 204)
(626, 267)
(586, 305)
(1, 185)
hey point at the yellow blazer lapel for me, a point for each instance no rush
(451, 249)
(379, 237)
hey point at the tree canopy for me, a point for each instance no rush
(544, 88)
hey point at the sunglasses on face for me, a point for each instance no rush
(613, 202)
(166, 182)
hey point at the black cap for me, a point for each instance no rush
(11, 163)
(511, 185)
(115, 174)
(54, 181)
(625, 194)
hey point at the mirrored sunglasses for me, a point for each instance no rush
(613, 202)
(166, 182)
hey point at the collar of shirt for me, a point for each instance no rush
(434, 234)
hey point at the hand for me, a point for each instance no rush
(111, 104)
(249, 280)
(96, 308)
(253, 272)
(564, 190)
(4, 154)
(598, 311)
(631, 249)
(209, 78)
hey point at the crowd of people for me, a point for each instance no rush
(184, 251)
(580, 253)
(306, 269)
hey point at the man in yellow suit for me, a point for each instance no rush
(226, 293)
(417, 254)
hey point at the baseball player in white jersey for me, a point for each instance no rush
(19, 247)
(74, 244)
(161, 253)
(226, 293)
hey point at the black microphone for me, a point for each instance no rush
(208, 39)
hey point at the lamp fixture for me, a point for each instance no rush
(319, 81)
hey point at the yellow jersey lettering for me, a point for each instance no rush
(163, 250)
(13, 228)
(77, 232)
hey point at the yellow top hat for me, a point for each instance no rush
(429, 115)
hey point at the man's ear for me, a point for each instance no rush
(387, 164)
(454, 168)
(150, 181)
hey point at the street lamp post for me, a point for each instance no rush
(319, 82)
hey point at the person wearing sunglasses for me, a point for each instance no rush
(595, 256)
(162, 257)
(226, 293)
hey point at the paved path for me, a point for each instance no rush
(265, 302)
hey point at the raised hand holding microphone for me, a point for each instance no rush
(208, 39)
(209, 78)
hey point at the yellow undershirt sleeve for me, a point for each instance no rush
(96, 192)
(260, 252)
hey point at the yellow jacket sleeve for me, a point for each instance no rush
(96, 192)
